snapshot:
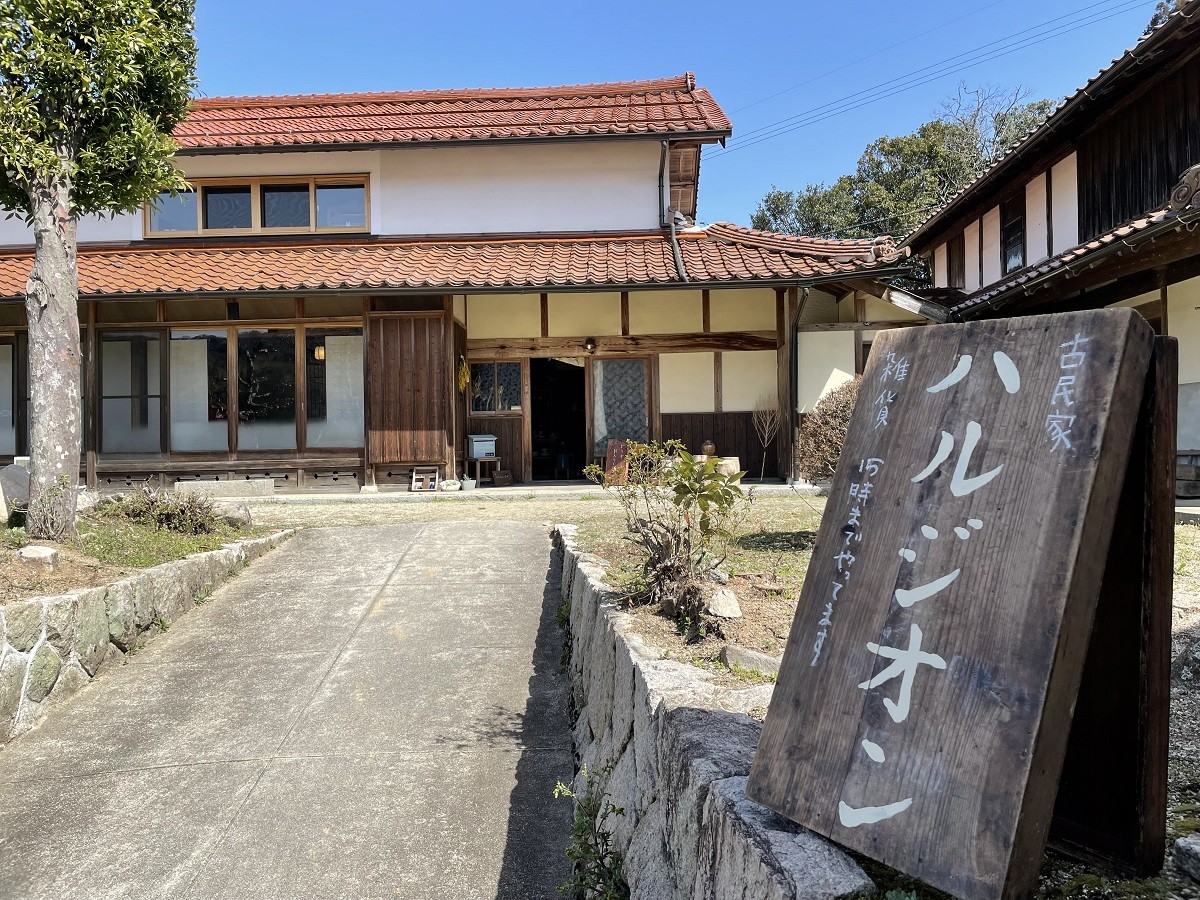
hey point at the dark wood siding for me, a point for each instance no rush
(1129, 162)
(510, 445)
(732, 432)
(409, 397)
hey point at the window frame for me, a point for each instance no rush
(495, 411)
(956, 261)
(1007, 220)
(256, 185)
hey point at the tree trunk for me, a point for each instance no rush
(52, 308)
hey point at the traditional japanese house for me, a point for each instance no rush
(1096, 207)
(355, 283)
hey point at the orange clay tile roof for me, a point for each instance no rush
(719, 254)
(672, 106)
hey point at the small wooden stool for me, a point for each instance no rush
(424, 478)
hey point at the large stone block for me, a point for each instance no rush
(91, 636)
(12, 676)
(62, 622)
(43, 672)
(748, 851)
(23, 622)
(240, 487)
(1187, 856)
(121, 607)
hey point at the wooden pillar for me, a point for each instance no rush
(526, 421)
(451, 394)
(368, 475)
(785, 302)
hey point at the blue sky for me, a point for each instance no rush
(765, 62)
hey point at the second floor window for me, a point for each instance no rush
(262, 206)
(1012, 234)
(956, 261)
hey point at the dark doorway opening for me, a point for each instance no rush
(557, 419)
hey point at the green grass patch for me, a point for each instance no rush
(121, 542)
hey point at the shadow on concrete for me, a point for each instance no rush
(539, 825)
(778, 541)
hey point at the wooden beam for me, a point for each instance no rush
(625, 345)
(862, 326)
(718, 386)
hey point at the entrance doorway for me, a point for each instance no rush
(557, 418)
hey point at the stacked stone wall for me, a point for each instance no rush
(674, 749)
(52, 646)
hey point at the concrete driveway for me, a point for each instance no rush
(365, 712)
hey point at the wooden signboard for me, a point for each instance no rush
(924, 706)
(502, 478)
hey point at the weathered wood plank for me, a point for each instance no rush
(996, 516)
(613, 345)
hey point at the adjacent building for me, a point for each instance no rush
(1097, 207)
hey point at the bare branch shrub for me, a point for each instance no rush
(766, 418)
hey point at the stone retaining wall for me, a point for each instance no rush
(680, 747)
(52, 646)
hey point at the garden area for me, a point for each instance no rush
(119, 535)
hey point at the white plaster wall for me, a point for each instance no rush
(125, 227)
(941, 275)
(525, 188)
(747, 376)
(1064, 185)
(971, 256)
(824, 361)
(584, 315)
(687, 382)
(1035, 220)
(666, 312)
(991, 246)
(742, 310)
(504, 316)
(1183, 322)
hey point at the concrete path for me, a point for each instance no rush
(363, 713)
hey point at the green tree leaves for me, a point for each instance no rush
(89, 92)
(899, 181)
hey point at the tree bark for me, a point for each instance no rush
(52, 308)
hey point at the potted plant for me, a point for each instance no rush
(468, 483)
(449, 484)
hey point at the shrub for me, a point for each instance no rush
(824, 431)
(181, 513)
(595, 864)
(681, 513)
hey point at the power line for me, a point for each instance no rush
(1044, 30)
(923, 76)
(869, 56)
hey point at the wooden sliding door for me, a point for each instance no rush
(409, 392)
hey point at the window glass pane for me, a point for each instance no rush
(199, 391)
(266, 389)
(333, 306)
(508, 386)
(8, 399)
(227, 207)
(333, 361)
(285, 206)
(195, 311)
(341, 206)
(130, 399)
(176, 213)
(1012, 234)
(126, 311)
(618, 402)
(483, 387)
(267, 308)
